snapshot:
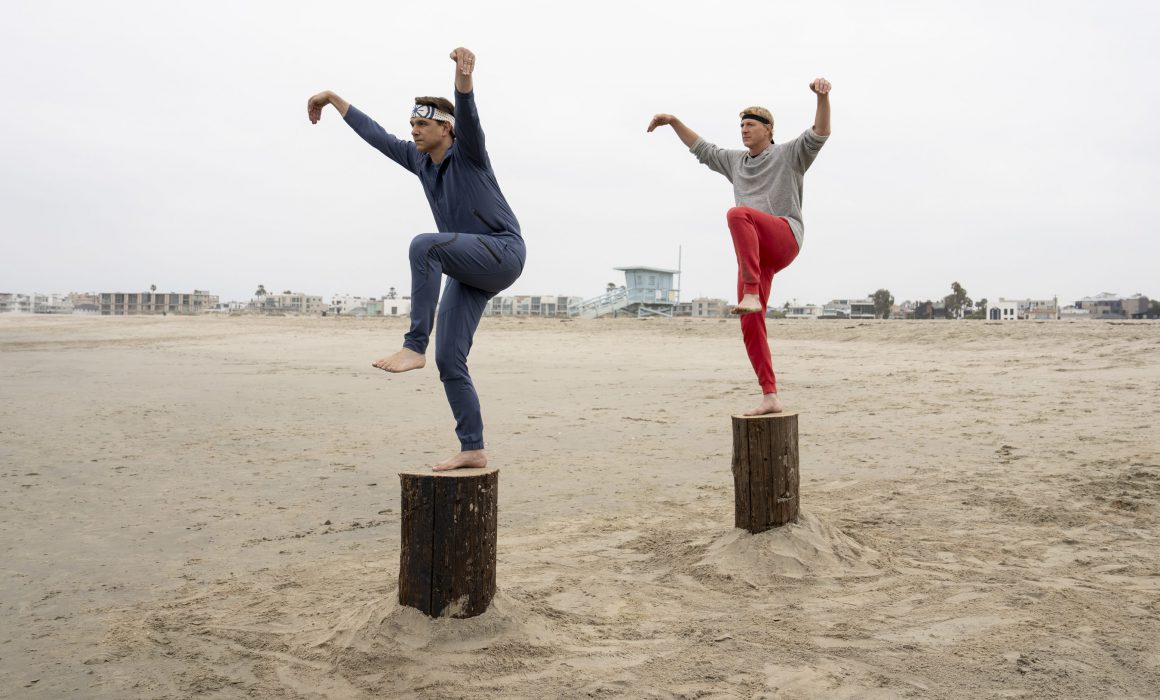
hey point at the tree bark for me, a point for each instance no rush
(447, 551)
(765, 470)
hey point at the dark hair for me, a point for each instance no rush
(440, 103)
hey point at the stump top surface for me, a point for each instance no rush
(452, 474)
(769, 416)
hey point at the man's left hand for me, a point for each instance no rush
(821, 86)
(464, 60)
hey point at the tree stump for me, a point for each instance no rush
(447, 557)
(765, 470)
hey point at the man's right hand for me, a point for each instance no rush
(661, 120)
(684, 133)
(315, 104)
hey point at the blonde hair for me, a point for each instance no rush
(760, 112)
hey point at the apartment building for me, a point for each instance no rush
(142, 303)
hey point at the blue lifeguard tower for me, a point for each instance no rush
(647, 291)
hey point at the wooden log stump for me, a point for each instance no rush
(447, 558)
(765, 470)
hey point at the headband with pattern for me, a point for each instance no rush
(430, 112)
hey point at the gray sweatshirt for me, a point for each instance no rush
(771, 181)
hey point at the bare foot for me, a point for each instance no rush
(769, 404)
(402, 361)
(749, 304)
(468, 459)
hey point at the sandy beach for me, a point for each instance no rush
(208, 507)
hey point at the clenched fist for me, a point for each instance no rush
(464, 60)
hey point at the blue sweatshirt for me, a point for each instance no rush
(462, 190)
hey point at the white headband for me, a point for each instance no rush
(430, 112)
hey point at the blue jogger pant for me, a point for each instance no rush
(478, 266)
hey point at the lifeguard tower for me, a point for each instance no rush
(647, 291)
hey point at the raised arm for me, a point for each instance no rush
(402, 152)
(464, 65)
(717, 159)
(469, 138)
(821, 88)
(684, 133)
(315, 104)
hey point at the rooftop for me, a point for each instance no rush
(646, 268)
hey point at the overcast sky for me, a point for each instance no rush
(1011, 146)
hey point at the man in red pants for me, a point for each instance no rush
(766, 224)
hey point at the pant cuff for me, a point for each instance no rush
(476, 445)
(414, 347)
(768, 388)
(753, 288)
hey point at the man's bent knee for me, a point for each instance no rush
(421, 244)
(738, 213)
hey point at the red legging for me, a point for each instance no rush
(764, 245)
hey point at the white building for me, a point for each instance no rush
(292, 303)
(794, 309)
(389, 305)
(1003, 310)
(347, 304)
(36, 303)
(531, 305)
(710, 307)
(15, 303)
(51, 304)
(226, 307)
(848, 308)
(1023, 309)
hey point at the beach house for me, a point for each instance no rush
(1114, 306)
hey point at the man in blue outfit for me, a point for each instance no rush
(478, 246)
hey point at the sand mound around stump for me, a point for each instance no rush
(808, 548)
